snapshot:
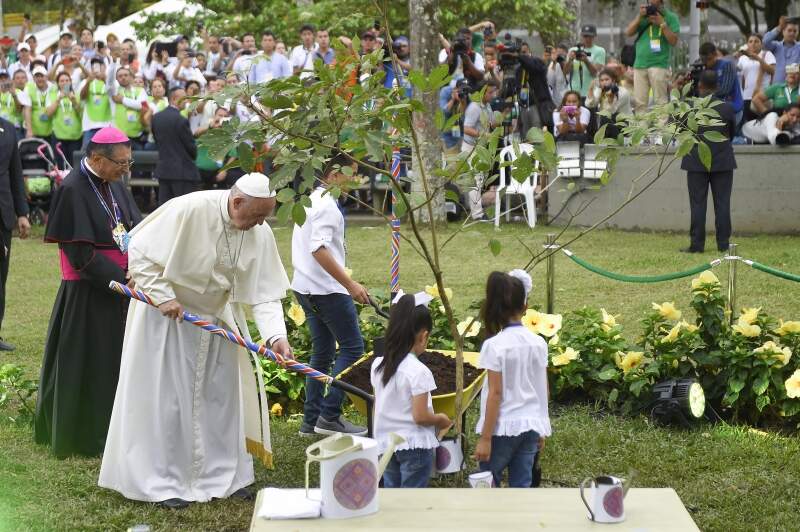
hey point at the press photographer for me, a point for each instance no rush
(728, 88)
(606, 95)
(584, 61)
(557, 76)
(462, 60)
(656, 30)
(452, 101)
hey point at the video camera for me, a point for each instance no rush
(650, 10)
(581, 52)
(460, 46)
(508, 52)
(697, 69)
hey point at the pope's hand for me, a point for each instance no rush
(172, 309)
(129, 282)
(281, 346)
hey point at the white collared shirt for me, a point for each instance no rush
(324, 227)
(303, 59)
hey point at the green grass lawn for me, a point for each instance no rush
(729, 477)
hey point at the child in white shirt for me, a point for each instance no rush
(403, 403)
(514, 418)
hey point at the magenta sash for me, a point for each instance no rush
(68, 273)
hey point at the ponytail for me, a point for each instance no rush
(505, 297)
(406, 320)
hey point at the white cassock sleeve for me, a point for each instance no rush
(269, 321)
(149, 277)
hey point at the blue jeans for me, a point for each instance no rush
(331, 318)
(515, 453)
(410, 468)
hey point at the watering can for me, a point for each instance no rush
(349, 473)
(606, 499)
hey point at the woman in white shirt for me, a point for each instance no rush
(403, 402)
(514, 418)
(571, 120)
(756, 67)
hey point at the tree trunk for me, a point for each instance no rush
(424, 57)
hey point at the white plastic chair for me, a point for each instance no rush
(593, 167)
(511, 186)
(569, 158)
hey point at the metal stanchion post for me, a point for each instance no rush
(731, 280)
(551, 272)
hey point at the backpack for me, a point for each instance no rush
(627, 55)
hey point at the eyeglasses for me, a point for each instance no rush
(121, 164)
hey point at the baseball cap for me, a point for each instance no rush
(401, 39)
(23, 46)
(589, 29)
(39, 70)
(368, 35)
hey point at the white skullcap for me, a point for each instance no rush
(525, 278)
(255, 185)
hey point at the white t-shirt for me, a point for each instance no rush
(585, 115)
(303, 59)
(324, 227)
(748, 73)
(521, 357)
(393, 404)
(478, 62)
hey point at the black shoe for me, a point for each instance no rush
(691, 250)
(243, 494)
(5, 346)
(174, 504)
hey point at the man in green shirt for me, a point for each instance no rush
(779, 96)
(656, 30)
(38, 92)
(584, 63)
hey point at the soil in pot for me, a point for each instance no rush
(442, 366)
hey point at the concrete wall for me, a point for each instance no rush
(765, 199)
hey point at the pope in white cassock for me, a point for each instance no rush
(188, 406)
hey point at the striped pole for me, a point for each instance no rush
(394, 269)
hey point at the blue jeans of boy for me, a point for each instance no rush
(515, 453)
(331, 318)
(410, 468)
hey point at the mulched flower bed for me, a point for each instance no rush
(442, 366)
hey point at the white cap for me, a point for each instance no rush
(255, 185)
(793, 68)
(23, 46)
(39, 70)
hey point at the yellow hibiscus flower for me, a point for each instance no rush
(750, 331)
(630, 360)
(566, 357)
(705, 278)
(672, 335)
(667, 310)
(296, 314)
(549, 324)
(749, 315)
(474, 329)
(609, 320)
(793, 385)
(433, 291)
(531, 320)
(276, 410)
(780, 353)
(788, 327)
(554, 340)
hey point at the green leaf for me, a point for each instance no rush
(285, 211)
(705, 154)
(418, 79)
(285, 194)
(762, 401)
(761, 383)
(400, 208)
(495, 246)
(685, 147)
(246, 161)
(438, 119)
(714, 136)
(608, 374)
(600, 134)
(736, 385)
(636, 387)
(298, 214)
(452, 195)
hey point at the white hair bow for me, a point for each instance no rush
(420, 298)
(525, 278)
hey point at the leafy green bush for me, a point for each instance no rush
(16, 393)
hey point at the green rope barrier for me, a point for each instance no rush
(639, 278)
(773, 271)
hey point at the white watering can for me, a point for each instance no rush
(606, 500)
(349, 473)
(449, 456)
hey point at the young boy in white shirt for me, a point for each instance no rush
(326, 292)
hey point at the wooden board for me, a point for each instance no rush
(500, 510)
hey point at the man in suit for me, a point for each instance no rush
(176, 170)
(13, 208)
(719, 177)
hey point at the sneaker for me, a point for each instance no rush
(325, 426)
(306, 430)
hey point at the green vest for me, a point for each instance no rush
(41, 123)
(159, 106)
(204, 160)
(8, 109)
(67, 120)
(126, 119)
(98, 104)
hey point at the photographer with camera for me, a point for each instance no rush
(606, 95)
(454, 101)
(557, 78)
(584, 61)
(571, 121)
(479, 118)
(535, 100)
(461, 59)
(728, 88)
(656, 29)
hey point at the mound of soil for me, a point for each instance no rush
(442, 366)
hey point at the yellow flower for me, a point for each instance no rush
(783, 354)
(672, 335)
(630, 360)
(609, 320)
(554, 340)
(705, 278)
(531, 320)
(667, 310)
(474, 329)
(747, 330)
(549, 324)
(749, 315)
(788, 327)
(296, 314)
(688, 326)
(793, 385)
(433, 291)
(566, 357)
(276, 410)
